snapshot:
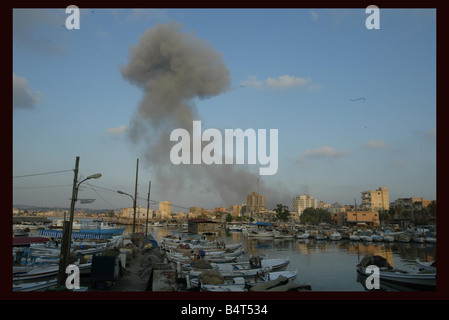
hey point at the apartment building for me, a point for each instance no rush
(376, 200)
(302, 202)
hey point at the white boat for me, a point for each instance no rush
(240, 283)
(431, 240)
(320, 237)
(33, 286)
(402, 238)
(422, 279)
(388, 238)
(283, 235)
(418, 239)
(253, 233)
(407, 278)
(304, 235)
(377, 238)
(244, 269)
(41, 272)
(335, 236)
(235, 227)
(366, 238)
(427, 266)
(354, 237)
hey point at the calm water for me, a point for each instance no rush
(325, 265)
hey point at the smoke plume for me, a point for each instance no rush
(173, 69)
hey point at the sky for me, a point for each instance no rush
(354, 108)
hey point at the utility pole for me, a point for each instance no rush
(135, 198)
(67, 231)
(148, 210)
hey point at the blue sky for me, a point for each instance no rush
(291, 70)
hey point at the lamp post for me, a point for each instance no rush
(134, 207)
(68, 225)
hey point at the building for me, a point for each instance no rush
(368, 217)
(302, 202)
(255, 203)
(202, 226)
(376, 200)
(412, 206)
(164, 210)
(129, 213)
(236, 211)
(196, 212)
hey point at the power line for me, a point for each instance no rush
(40, 174)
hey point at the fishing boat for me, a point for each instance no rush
(335, 236)
(41, 272)
(354, 237)
(240, 269)
(283, 234)
(242, 284)
(253, 233)
(427, 266)
(33, 286)
(425, 280)
(304, 235)
(320, 237)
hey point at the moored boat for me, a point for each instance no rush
(425, 280)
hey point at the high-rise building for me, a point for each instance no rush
(165, 209)
(302, 202)
(255, 203)
(376, 200)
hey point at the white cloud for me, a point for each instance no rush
(282, 82)
(285, 81)
(23, 97)
(376, 144)
(324, 152)
(118, 130)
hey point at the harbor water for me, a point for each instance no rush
(325, 265)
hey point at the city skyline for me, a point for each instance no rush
(355, 109)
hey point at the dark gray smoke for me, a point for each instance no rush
(173, 69)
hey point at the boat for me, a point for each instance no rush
(235, 227)
(283, 234)
(427, 266)
(403, 238)
(320, 237)
(239, 269)
(240, 283)
(388, 238)
(335, 236)
(41, 272)
(104, 228)
(354, 237)
(430, 239)
(377, 238)
(33, 286)
(304, 235)
(425, 280)
(253, 233)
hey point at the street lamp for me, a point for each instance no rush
(67, 227)
(134, 207)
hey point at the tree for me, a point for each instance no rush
(282, 212)
(111, 214)
(315, 216)
(228, 217)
